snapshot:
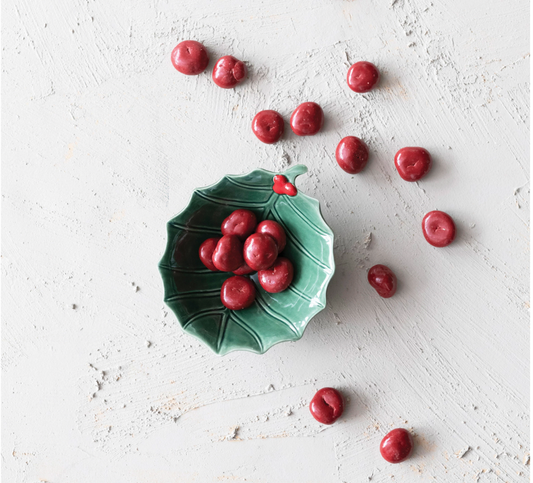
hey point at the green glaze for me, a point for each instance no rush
(193, 292)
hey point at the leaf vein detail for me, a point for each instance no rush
(264, 306)
(199, 315)
(299, 245)
(244, 326)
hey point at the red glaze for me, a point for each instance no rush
(352, 154)
(382, 278)
(412, 163)
(438, 228)
(243, 270)
(278, 277)
(237, 293)
(190, 57)
(228, 254)
(260, 251)
(206, 253)
(283, 187)
(268, 126)
(228, 72)
(307, 119)
(275, 230)
(241, 223)
(327, 405)
(397, 446)
(362, 77)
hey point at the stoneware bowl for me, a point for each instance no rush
(193, 292)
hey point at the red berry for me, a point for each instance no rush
(241, 223)
(362, 77)
(283, 187)
(275, 230)
(382, 278)
(396, 446)
(268, 126)
(206, 253)
(352, 154)
(412, 163)
(438, 228)
(190, 57)
(243, 270)
(260, 251)
(228, 72)
(327, 405)
(228, 253)
(307, 119)
(237, 293)
(278, 277)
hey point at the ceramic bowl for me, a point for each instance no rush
(193, 292)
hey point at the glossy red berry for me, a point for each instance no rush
(228, 72)
(275, 230)
(412, 163)
(278, 277)
(268, 126)
(307, 119)
(438, 228)
(206, 253)
(260, 251)
(240, 223)
(283, 187)
(228, 254)
(396, 446)
(327, 405)
(243, 270)
(362, 77)
(190, 57)
(383, 280)
(237, 293)
(351, 154)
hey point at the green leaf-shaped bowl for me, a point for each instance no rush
(193, 292)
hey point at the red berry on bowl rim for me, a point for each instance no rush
(228, 254)
(396, 446)
(362, 77)
(278, 277)
(206, 253)
(260, 251)
(275, 230)
(240, 223)
(383, 280)
(228, 72)
(190, 57)
(351, 154)
(412, 163)
(237, 293)
(438, 228)
(283, 187)
(268, 126)
(307, 119)
(327, 405)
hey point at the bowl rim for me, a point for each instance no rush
(291, 174)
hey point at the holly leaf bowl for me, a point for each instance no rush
(192, 291)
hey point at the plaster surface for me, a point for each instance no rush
(103, 142)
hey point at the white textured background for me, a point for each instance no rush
(103, 142)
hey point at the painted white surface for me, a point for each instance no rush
(103, 142)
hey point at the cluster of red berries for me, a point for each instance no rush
(190, 58)
(412, 163)
(245, 248)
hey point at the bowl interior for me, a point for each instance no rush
(193, 292)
